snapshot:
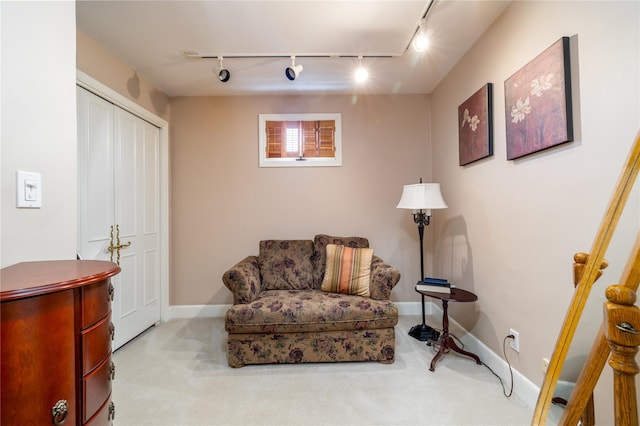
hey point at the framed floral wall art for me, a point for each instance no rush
(475, 126)
(538, 103)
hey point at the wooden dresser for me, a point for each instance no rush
(55, 343)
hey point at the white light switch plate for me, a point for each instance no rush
(28, 190)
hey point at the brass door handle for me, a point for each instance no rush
(116, 248)
(111, 248)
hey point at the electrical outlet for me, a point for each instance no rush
(545, 364)
(515, 342)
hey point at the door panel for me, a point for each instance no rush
(130, 179)
(151, 180)
(151, 277)
(125, 298)
(136, 188)
(128, 139)
(151, 218)
(95, 159)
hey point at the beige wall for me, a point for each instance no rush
(223, 204)
(38, 128)
(95, 61)
(512, 227)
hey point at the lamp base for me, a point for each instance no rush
(424, 333)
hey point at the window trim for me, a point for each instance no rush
(334, 161)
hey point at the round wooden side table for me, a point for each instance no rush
(446, 341)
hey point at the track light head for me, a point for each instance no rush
(294, 70)
(421, 39)
(223, 74)
(420, 42)
(361, 74)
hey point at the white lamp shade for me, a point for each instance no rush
(422, 196)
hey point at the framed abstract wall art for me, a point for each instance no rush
(475, 126)
(538, 103)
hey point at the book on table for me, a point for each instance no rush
(436, 285)
(436, 281)
(433, 288)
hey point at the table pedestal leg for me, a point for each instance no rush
(447, 343)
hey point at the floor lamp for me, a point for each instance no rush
(422, 198)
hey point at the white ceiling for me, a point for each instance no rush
(152, 36)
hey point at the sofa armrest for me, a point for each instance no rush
(243, 279)
(383, 278)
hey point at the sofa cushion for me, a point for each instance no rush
(347, 270)
(320, 242)
(286, 264)
(291, 311)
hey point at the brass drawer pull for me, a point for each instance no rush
(112, 331)
(59, 412)
(112, 371)
(111, 291)
(112, 411)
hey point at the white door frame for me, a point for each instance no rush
(91, 84)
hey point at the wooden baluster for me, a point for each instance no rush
(599, 353)
(579, 262)
(622, 331)
(588, 417)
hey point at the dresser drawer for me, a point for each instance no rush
(96, 344)
(96, 388)
(96, 302)
(37, 363)
(104, 416)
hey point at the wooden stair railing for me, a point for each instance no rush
(600, 350)
(590, 272)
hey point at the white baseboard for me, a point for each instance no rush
(523, 388)
(414, 308)
(197, 311)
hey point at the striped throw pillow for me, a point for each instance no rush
(347, 270)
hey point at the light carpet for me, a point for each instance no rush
(177, 374)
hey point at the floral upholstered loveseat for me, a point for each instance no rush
(281, 314)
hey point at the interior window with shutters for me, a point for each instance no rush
(300, 140)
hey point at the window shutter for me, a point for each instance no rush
(311, 139)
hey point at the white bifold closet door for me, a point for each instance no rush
(118, 204)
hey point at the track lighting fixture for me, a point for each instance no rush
(294, 70)
(361, 73)
(420, 42)
(223, 74)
